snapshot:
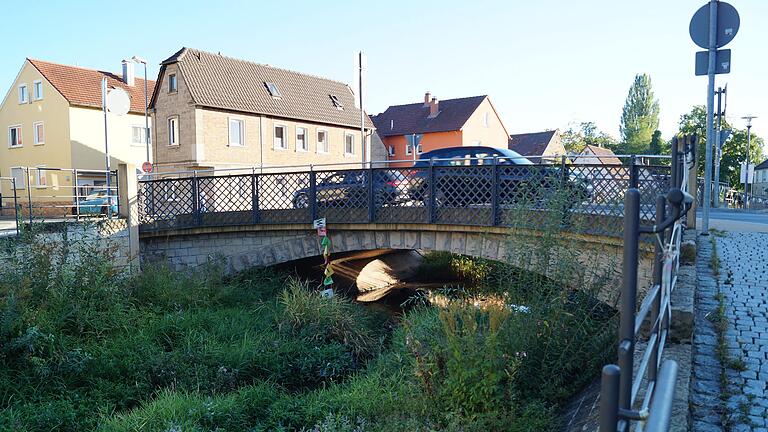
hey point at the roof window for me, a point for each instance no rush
(273, 91)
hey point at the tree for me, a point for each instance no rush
(587, 133)
(640, 116)
(658, 145)
(734, 148)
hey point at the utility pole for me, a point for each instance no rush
(718, 147)
(746, 159)
(712, 48)
(366, 156)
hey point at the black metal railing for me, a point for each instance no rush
(621, 384)
(484, 192)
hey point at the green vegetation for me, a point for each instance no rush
(86, 347)
(640, 118)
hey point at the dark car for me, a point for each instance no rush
(351, 189)
(518, 180)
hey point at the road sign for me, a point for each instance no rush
(722, 62)
(318, 223)
(146, 167)
(727, 25)
(750, 171)
(118, 101)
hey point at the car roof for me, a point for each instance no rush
(511, 154)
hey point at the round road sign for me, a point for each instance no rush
(118, 101)
(727, 25)
(146, 167)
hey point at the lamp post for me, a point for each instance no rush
(137, 59)
(746, 159)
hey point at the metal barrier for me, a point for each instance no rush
(620, 385)
(480, 191)
(9, 200)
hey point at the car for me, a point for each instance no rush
(519, 180)
(95, 203)
(351, 188)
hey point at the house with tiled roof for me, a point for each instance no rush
(52, 115)
(594, 155)
(760, 185)
(217, 112)
(547, 143)
(434, 124)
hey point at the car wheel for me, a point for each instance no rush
(301, 201)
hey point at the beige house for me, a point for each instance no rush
(217, 112)
(52, 116)
(548, 144)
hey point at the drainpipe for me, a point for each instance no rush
(261, 143)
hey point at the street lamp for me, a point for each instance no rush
(746, 158)
(137, 59)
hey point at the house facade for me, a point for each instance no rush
(217, 112)
(53, 119)
(548, 144)
(760, 185)
(471, 121)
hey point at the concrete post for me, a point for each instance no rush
(128, 191)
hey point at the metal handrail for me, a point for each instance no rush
(620, 383)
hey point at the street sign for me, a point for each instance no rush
(727, 25)
(146, 167)
(750, 173)
(318, 223)
(722, 62)
(118, 101)
(724, 135)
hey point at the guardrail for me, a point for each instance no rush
(485, 192)
(620, 383)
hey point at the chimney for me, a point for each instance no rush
(427, 97)
(129, 76)
(433, 108)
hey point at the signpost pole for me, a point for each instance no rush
(710, 115)
(717, 152)
(106, 145)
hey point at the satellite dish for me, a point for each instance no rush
(118, 101)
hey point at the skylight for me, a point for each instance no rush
(273, 91)
(336, 102)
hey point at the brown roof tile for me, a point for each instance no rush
(414, 118)
(222, 82)
(531, 144)
(81, 86)
(604, 155)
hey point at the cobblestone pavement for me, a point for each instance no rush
(731, 395)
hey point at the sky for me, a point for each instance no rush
(545, 64)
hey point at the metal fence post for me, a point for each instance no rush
(254, 197)
(371, 195)
(632, 171)
(312, 194)
(628, 295)
(658, 264)
(29, 194)
(609, 398)
(431, 210)
(77, 195)
(15, 204)
(196, 199)
(675, 172)
(495, 189)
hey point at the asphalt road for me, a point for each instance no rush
(735, 220)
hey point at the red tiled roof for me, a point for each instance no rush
(81, 86)
(531, 144)
(414, 118)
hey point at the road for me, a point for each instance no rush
(735, 220)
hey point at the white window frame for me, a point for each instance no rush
(173, 128)
(142, 135)
(408, 148)
(35, 137)
(391, 151)
(349, 135)
(306, 139)
(285, 136)
(21, 182)
(34, 89)
(18, 136)
(173, 195)
(173, 78)
(23, 95)
(241, 123)
(326, 147)
(41, 179)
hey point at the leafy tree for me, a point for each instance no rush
(640, 116)
(695, 121)
(658, 146)
(586, 133)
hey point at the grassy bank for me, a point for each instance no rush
(83, 347)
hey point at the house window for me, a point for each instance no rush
(39, 133)
(41, 180)
(322, 141)
(23, 94)
(336, 102)
(272, 89)
(301, 139)
(14, 136)
(408, 148)
(280, 142)
(173, 131)
(391, 151)
(485, 120)
(37, 89)
(349, 144)
(138, 135)
(18, 174)
(172, 84)
(236, 132)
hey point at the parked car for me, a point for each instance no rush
(519, 179)
(96, 203)
(351, 188)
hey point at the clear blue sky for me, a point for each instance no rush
(544, 63)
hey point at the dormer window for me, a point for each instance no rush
(336, 102)
(273, 91)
